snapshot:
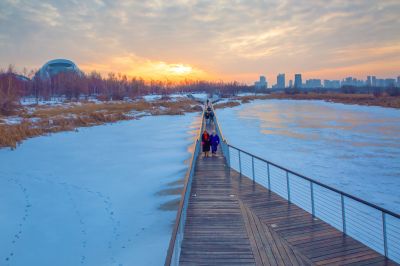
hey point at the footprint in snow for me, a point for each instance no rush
(27, 207)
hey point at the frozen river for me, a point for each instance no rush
(353, 148)
(106, 195)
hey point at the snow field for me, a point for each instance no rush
(90, 198)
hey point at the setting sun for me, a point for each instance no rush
(135, 66)
(180, 69)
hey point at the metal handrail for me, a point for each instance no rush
(318, 183)
(216, 123)
(380, 224)
(179, 216)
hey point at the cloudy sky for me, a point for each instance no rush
(228, 40)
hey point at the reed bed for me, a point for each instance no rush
(45, 120)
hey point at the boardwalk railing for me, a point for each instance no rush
(175, 243)
(372, 225)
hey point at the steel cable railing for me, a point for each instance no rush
(175, 243)
(372, 225)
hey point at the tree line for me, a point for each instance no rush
(114, 86)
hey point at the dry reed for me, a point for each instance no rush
(46, 119)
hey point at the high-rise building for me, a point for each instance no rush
(369, 81)
(353, 82)
(332, 84)
(390, 82)
(290, 83)
(280, 81)
(373, 81)
(349, 81)
(262, 83)
(398, 81)
(380, 83)
(313, 83)
(298, 81)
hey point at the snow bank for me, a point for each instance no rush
(353, 148)
(53, 101)
(152, 97)
(92, 197)
(200, 96)
(240, 94)
(11, 120)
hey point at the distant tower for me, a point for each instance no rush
(373, 81)
(290, 83)
(261, 84)
(280, 81)
(369, 81)
(298, 81)
(398, 81)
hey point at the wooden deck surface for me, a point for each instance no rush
(233, 221)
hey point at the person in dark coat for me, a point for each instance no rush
(208, 114)
(212, 116)
(205, 142)
(214, 140)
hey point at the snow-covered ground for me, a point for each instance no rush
(32, 100)
(62, 101)
(152, 97)
(240, 94)
(103, 196)
(353, 148)
(172, 96)
(201, 96)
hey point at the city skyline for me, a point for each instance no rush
(179, 40)
(298, 81)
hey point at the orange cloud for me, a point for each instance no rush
(147, 69)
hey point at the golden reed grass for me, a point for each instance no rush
(48, 119)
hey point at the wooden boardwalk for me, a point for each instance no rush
(233, 221)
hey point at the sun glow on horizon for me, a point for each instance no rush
(180, 69)
(135, 66)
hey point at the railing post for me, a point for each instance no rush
(252, 168)
(312, 199)
(288, 186)
(269, 178)
(343, 214)
(240, 164)
(228, 154)
(385, 248)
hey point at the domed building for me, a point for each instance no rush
(56, 66)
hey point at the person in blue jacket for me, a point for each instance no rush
(214, 139)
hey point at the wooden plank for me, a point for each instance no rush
(215, 232)
(234, 221)
(258, 257)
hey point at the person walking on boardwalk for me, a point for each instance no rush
(205, 142)
(211, 116)
(207, 116)
(214, 140)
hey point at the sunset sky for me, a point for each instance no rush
(214, 40)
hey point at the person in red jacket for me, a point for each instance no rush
(205, 142)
